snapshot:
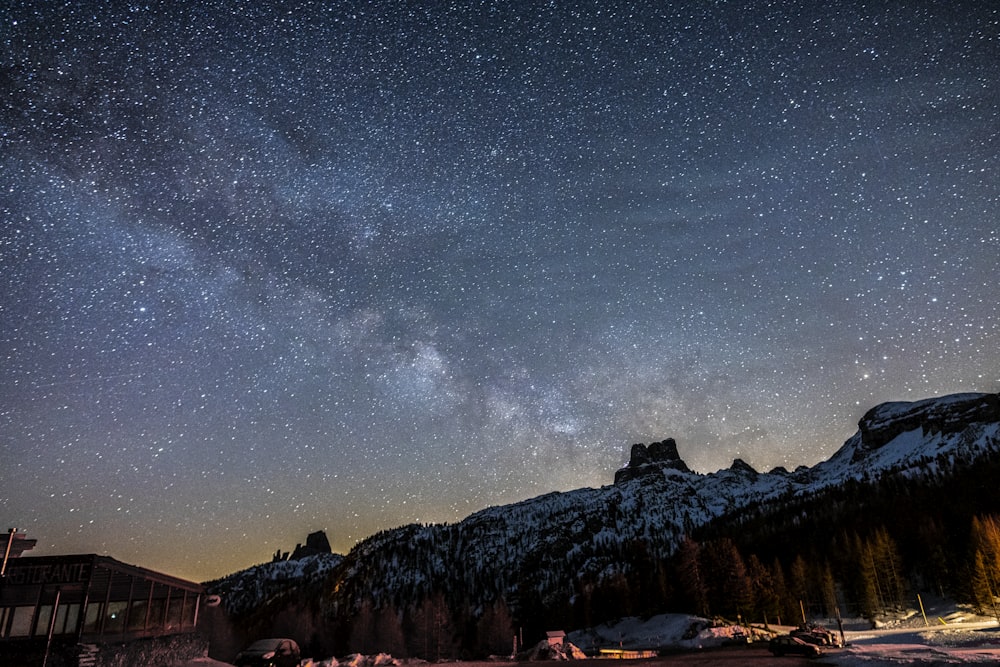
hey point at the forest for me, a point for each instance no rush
(864, 548)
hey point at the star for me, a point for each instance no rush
(269, 270)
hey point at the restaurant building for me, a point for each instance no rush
(68, 610)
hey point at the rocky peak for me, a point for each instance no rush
(316, 543)
(741, 466)
(650, 459)
(944, 415)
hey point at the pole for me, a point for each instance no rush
(52, 627)
(840, 626)
(6, 553)
(922, 612)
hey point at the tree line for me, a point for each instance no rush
(862, 575)
(864, 548)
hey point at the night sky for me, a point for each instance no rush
(271, 269)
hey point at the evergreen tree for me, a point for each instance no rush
(363, 633)
(871, 600)
(984, 591)
(787, 606)
(495, 630)
(691, 582)
(766, 605)
(431, 630)
(800, 585)
(890, 568)
(936, 564)
(612, 598)
(828, 589)
(389, 633)
(985, 545)
(725, 576)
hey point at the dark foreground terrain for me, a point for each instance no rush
(731, 657)
(726, 657)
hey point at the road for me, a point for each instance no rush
(735, 656)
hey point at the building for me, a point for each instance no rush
(627, 654)
(65, 605)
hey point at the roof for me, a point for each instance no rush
(29, 570)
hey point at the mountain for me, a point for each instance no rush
(249, 589)
(904, 437)
(581, 556)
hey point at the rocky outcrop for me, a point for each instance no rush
(742, 467)
(316, 544)
(946, 415)
(651, 460)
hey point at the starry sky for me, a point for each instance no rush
(271, 268)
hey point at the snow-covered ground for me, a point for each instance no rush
(952, 638)
(949, 636)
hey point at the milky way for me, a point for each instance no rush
(269, 269)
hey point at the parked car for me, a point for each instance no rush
(789, 645)
(816, 634)
(738, 639)
(274, 652)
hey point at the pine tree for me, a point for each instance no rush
(389, 633)
(983, 589)
(985, 545)
(890, 568)
(869, 588)
(729, 586)
(828, 588)
(363, 639)
(690, 578)
(787, 605)
(495, 630)
(432, 630)
(766, 605)
(937, 562)
(800, 583)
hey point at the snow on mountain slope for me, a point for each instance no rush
(547, 545)
(250, 588)
(909, 437)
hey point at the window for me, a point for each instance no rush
(66, 618)
(21, 624)
(156, 610)
(174, 612)
(114, 618)
(44, 615)
(190, 607)
(137, 615)
(92, 619)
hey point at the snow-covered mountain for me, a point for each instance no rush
(908, 438)
(538, 554)
(255, 586)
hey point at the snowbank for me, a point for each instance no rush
(359, 660)
(666, 631)
(951, 635)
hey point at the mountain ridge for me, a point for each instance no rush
(544, 553)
